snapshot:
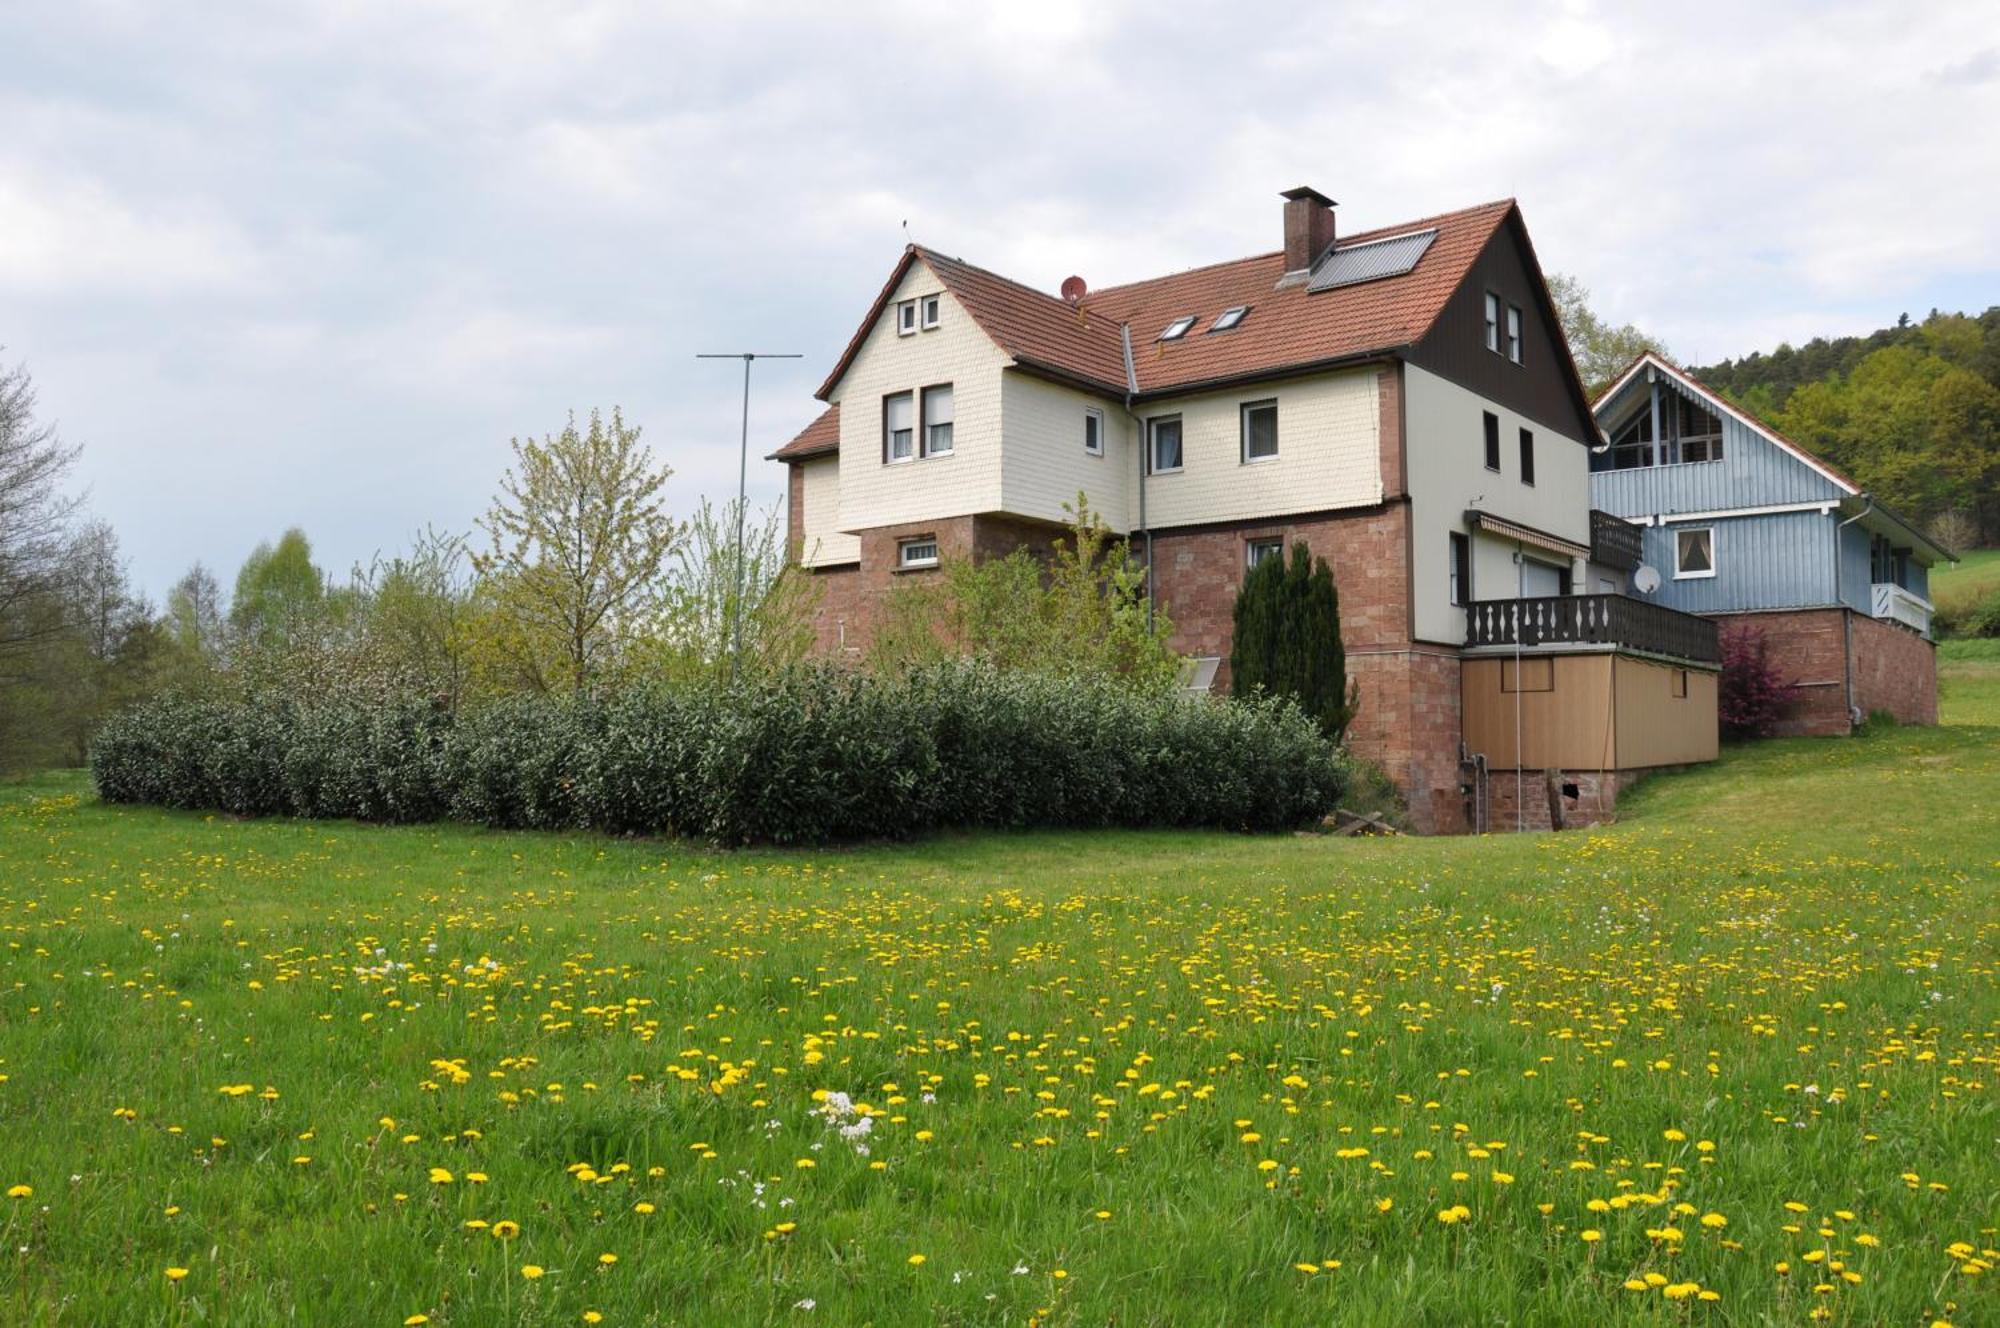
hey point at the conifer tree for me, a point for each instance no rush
(1287, 639)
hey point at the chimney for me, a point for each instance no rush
(1308, 228)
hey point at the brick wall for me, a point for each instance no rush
(1595, 801)
(1809, 647)
(1894, 670)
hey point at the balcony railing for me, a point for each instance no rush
(1607, 620)
(1903, 606)
(1614, 541)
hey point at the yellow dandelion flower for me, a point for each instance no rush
(439, 1176)
(176, 1274)
(1384, 1204)
(416, 1319)
(916, 1260)
(21, 1192)
(531, 1271)
(607, 1258)
(506, 1229)
(1590, 1236)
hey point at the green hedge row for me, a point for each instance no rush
(811, 757)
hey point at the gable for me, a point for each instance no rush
(1544, 386)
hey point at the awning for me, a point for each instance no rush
(1513, 530)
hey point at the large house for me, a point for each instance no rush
(1745, 526)
(1400, 400)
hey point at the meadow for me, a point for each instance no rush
(1729, 1061)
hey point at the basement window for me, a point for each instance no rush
(1258, 550)
(914, 553)
(1178, 328)
(1229, 318)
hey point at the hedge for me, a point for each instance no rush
(812, 756)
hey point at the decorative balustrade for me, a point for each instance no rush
(1609, 620)
(1614, 541)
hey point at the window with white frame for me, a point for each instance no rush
(1514, 333)
(1259, 550)
(919, 552)
(906, 318)
(931, 304)
(1260, 430)
(1694, 552)
(1492, 321)
(1093, 431)
(899, 430)
(1163, 444)
(937, 420)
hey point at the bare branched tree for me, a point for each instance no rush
(35, 515)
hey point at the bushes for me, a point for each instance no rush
(1751, 693)
(809, 756)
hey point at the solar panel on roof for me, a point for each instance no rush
(1350, 265)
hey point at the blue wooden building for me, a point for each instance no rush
(1741, 524)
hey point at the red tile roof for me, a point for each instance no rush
(1285, 329)
(821, 436)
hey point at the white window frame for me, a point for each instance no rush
(889, 433)
(906, 318)
(1493, 322)
(932, 306)
(927, 443)
(1229, 318)
(1178, 328)
(1153, 445)
(1274, 546)
(1243, 431)
(1681, 533)
(1512, 337)
(1093, 440)
(905, 548)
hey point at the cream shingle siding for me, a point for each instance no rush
(1329, 453)
(1046, 466)
(1446, 447)
(928, 488)
(826, 545)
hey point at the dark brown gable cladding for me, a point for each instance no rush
(1544, 385)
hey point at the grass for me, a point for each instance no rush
(1975, 577)
(1747, 1037)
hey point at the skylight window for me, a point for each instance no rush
(1178, 328)
(1229, 318)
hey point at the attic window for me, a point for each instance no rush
(1178, 328)
(1229, 318)
(930, 311)
(906, 318)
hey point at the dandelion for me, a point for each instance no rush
(532, 1271)
(176, 1274)
(20, 1192)
(416, 1319)
(607, 1258)
(1590, 1236)
(915, 1260)
(1453, 1215)
(439, 1176)
(506, 1229)
(1384, 1204)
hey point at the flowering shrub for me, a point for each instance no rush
(1751, 693)
(805, 757)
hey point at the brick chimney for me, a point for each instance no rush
(1308, 228)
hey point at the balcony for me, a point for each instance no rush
(1904, 606)
(1594, 620)
(1614, 541)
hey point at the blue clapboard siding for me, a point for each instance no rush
(1753, 471)
(1856, 591)
(1779, 561)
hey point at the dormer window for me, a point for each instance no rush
(906, 318)
(1178, 328)
(1229, 318)
(931, 305)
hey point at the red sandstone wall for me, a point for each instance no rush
(1894, 670)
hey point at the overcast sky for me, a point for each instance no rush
(314, 263)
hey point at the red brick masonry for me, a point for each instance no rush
(1893, 668)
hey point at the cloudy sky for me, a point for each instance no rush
(315, 262)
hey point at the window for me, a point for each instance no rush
(937, 420)
(1678, 685)
(1229, 318)
(1093, 431)
(1164, 438)
(1690, 432)
(1257, 550)
(906, 318)
(1260, 430)
(1178, 328)
(919, 552)
(1514, 333)
(1492, 321)
(1492, 441)
(1527, 456)
(931, 304)
(899, 437)
(1694, 552)
(1461, 568)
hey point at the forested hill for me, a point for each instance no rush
(1912, 412)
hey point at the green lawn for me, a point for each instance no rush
(1976, 576)
(1742, 1044)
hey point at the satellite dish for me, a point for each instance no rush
(1074, 289)
(1645, 579)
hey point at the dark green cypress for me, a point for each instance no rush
(1287, 639)
(1253, 642)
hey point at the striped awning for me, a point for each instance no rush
(1514, 530)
